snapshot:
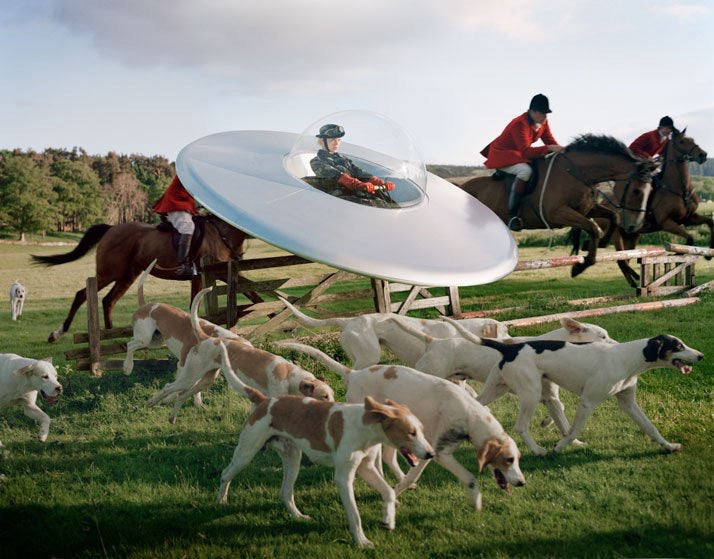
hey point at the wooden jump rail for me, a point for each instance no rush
(661, 273)
(378, 297)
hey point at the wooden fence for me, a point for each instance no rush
(663, 271)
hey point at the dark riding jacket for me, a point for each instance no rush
(331, 165)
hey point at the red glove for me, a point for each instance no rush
(352, 183)
(380, 182)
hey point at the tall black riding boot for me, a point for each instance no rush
(518, 188)
(185, 268)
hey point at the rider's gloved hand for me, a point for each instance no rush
(350, 183)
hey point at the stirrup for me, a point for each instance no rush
(185, 270)
(515, 223)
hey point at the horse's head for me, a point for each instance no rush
(686, 149)
(232, 237)
(633, 196)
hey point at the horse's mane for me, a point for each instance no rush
(600, 143)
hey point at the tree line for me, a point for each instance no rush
(69, 190)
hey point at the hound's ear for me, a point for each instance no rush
(26, 370)
(652, 349)
(490, 331)
(323, 379)
(376, 412)
(307, 387)
(572, 326)
(48, 359)
(487, 453)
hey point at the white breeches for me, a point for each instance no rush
(522, 170)
(182, 221)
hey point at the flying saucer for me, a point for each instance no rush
(425, 231)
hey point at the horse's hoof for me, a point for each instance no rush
(577, 269)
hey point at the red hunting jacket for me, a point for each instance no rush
(648, 144)
(514, 144)
(175, 199)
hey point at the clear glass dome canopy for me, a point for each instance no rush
(372, 145)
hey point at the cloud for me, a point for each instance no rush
(681, 10)
(297, 45)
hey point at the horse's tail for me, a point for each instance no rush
(91, 238)
(314, 322)
(200, 334)
(315, 353)
(142, 279)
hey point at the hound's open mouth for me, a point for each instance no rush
(500, 479)
(51, 400)
(682, 366)
(411, 458)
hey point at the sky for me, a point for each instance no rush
(151, 76)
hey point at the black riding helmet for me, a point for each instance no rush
(666, 121)
(330, 131)
(540, 103)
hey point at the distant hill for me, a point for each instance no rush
(706, 169)
(450, 171)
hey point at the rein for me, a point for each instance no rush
(684, 191)
(590, 183)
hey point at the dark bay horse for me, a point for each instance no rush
(125, 250)
(569, 198)
(672, 205)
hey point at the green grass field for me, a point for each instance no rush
(114, 479)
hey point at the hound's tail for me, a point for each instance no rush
(325, 359)
(142, 279)
(409, 329)
(255, 396)
(91, 237)
(470, 336)
(313, 322)
(200, 334)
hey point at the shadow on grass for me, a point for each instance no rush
(121, 529)
(650, 540)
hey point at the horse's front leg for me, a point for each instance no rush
(671, 226)
(607, 218)
(696, 219)
(567, 217)
(626, 241)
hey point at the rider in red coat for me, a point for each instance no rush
(652, 143)
(512, 151)
(179, 206)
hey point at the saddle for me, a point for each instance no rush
(198, 220)
(508, 179)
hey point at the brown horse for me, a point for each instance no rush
(673, 204)
(569, 198)
(125, 250)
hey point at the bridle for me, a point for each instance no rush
(676, 156)
(642, 175)
(213, 220)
